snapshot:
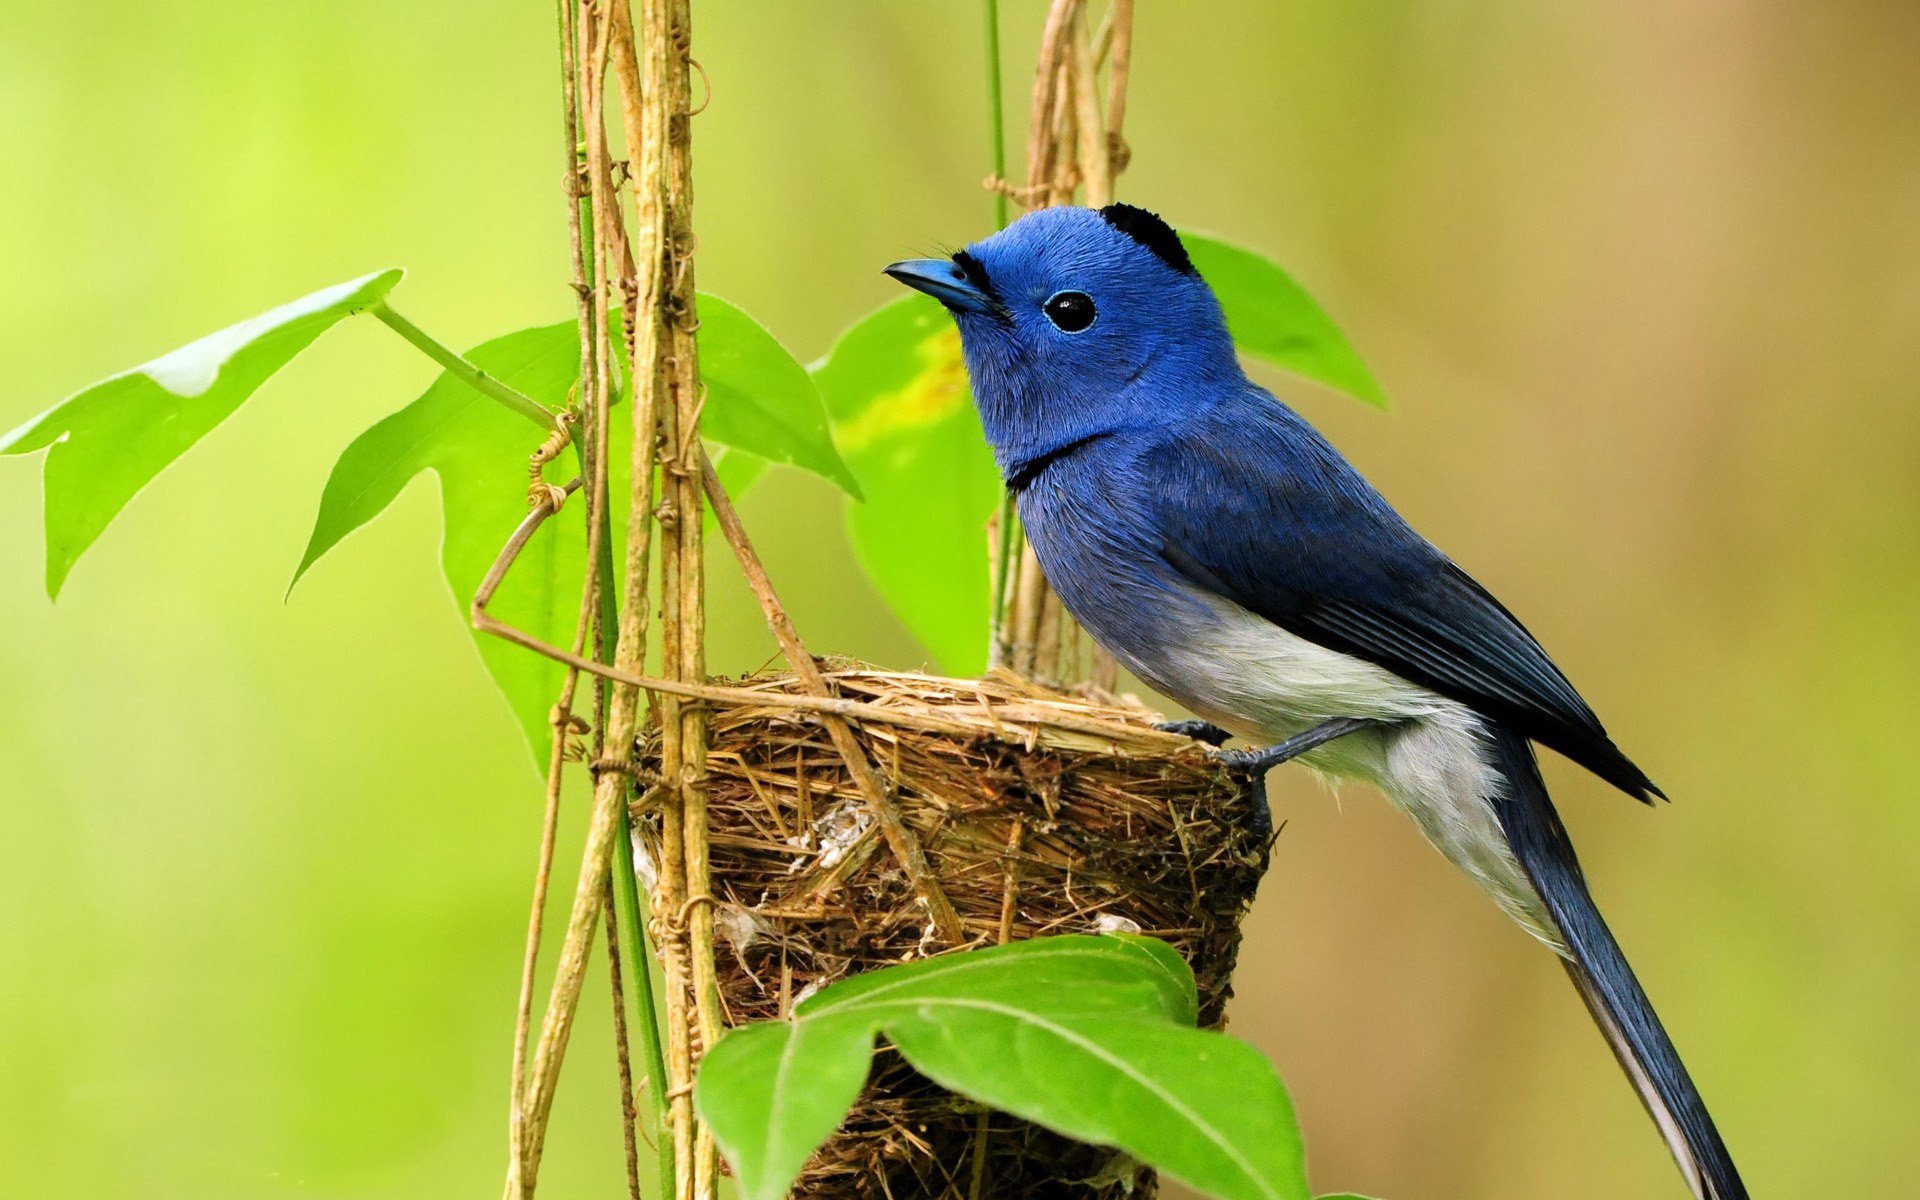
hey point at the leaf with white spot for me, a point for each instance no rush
(108, 441)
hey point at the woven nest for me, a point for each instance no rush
(1040, 813)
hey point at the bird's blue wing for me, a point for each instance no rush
(1254, 505)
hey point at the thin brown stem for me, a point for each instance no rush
(900, 839)
(1096, 166)
(621, 722)
(1071, 145)
(1119, 69)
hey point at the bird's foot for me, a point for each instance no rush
(1266, 758)
(1199, 731)
(1256, 763)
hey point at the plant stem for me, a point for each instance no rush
(626, 893)
(996, 114)
(473, 376)
(626, 915)
(1006, 534)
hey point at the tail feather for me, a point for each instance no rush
(1605, 982)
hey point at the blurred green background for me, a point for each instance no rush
(1642, 278)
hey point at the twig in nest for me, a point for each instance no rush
(900, 839)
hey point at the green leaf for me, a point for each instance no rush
(109, 440)
(760, 399)
(896, 389)
(1202, 1107)
(1078, 973)
(1090, 1036)
(478, 449)
(773, 1092)
(737, 469)
(1272, 317)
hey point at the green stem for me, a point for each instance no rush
(996, 113)
(626, 894)
(1008, 535)
(475, 378)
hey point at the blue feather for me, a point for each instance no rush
(1187, 518)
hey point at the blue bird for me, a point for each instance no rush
(1225, 553)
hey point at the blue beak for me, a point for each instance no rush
(943, 280)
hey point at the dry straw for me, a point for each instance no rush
(808, 825)
(1040, 812)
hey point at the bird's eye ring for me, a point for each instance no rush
(1070, 312)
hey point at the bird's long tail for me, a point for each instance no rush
(1604, 979)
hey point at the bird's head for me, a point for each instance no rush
(1077, 322)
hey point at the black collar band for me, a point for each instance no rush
(1026, 472)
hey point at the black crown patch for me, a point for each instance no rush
(1153, 233)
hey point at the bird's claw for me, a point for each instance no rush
(1253, 762)
(1256, 763)
(1198, 730)
(1266, 758)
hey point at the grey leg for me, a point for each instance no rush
(1256, 763)
(1267, 758)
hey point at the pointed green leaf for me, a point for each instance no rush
(896, 389)
(773, 1092)
(1200, 1106)
(760, 399)
(1090, 1036)
(1273, 318)
(478, 449)
(109, 440)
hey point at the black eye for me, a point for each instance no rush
(1070, 312)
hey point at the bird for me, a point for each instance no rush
(1228, 556)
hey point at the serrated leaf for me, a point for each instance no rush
(760, 399)
(1090, 1036)
(1273, 318)
(109, 440)
(896, 389)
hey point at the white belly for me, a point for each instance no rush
(1252, 677)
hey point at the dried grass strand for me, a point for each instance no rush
(1030, 829)
(899, 838)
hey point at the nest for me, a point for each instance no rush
(1040, 813)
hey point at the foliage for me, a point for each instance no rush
(107, 441)
(1090, 1036)
(469, 443)
(1273, 319)
(896, 390)
(759, 400)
